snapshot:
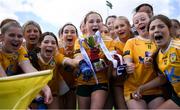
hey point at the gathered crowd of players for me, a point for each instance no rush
(150, 49)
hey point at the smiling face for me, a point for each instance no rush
(12, 39)
(140, 21)
(93, 24)
(69, 35)
(31, 34)
(48, 47)
(121, 28)
(159, 31)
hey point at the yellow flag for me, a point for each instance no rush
(17, 92)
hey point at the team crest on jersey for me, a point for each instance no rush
(141, 59)
(173, 57)
(52, 63)
(127, 52)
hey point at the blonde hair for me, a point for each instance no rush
(125, 19)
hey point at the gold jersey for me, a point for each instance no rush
(9, 62)
(53, 64)
(169, 63)
(137, 49)
(102, 75)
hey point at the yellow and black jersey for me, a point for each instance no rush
(9, 62)
(169, 64)
(102, 75)
(66, 71)
(53, 64)
(137, 49)
(119, 46)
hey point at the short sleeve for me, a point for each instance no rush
(59, 58)
(23, 55)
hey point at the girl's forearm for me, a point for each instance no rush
(158, 81)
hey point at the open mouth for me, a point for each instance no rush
(94, 30)
(49, 51)
(121, 33)
(32, 38)
(15, 44)
(142, 28)
(69, 40)
(158, 37)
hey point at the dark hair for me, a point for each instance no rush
(111, 16)
(141, 5)
(62, 29)
(31, 23)
(163, 18)
(45, 34)
(91, 12)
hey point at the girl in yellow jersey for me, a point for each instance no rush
(31, 32)
(1, 25)
(48, 58)
(122, 30)
(137, 55)
(68, 34)
(167, 59)
(90, 94)
(14, 56)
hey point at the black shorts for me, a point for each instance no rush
(86, 90)
(149, 98)
(175, 99)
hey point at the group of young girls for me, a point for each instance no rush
(151, 61)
